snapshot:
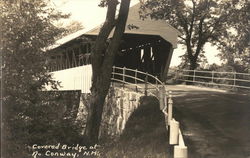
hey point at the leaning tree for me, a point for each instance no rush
(102, 59)
(199, 21)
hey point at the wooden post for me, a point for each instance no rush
(123, 77)
(136, 76)
(146, 84)
(87, 48)
(170, 107)
(194, 76)
(74, 63)
(177, 74)
(71, 59)
(212, 76)
(165, 109)
(161, 97)
(67, 59)
(136, 81)
(234, 79)
(61, 62)
(79, 55)
(57, 63)
(123, 74)
(113, 76)
(113, 72)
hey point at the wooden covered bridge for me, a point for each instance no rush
(147, 45)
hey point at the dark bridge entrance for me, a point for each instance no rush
(146, 53)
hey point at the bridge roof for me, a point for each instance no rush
(145, 27)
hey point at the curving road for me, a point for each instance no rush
(215, 123)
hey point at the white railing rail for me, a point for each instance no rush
(227, 79)
(138, 79)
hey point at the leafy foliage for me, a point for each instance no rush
(28, 114)
(199, 21)
(236, 47)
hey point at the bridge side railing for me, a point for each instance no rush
(175, 134)
(137, 79)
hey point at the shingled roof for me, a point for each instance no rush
(144, 27)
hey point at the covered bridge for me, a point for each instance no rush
(147, 45)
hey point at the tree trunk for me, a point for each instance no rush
(193, 65)
(94, 116)
(102, 62)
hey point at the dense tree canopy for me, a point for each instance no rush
(236, 47)
(26, 30)
(199, 21)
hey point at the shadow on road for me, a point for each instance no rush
(216, 124)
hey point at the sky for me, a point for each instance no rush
(90, 15)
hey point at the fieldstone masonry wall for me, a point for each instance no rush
(119, 105)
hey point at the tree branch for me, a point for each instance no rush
(192, 20)
(200, 38)
(182, 38)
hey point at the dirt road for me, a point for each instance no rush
(215, 123)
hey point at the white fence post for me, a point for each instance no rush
(176, 74)
(162, 97)
(194, 76)
(165, 109)
(146, 84)
(123, 74)
(136, 80)
(135, 76)
(156, 82)
(113, 75)
(180, 151)
(234, 79)
(170, 107)
(174, 132)
(113, 72)
(212, 76)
